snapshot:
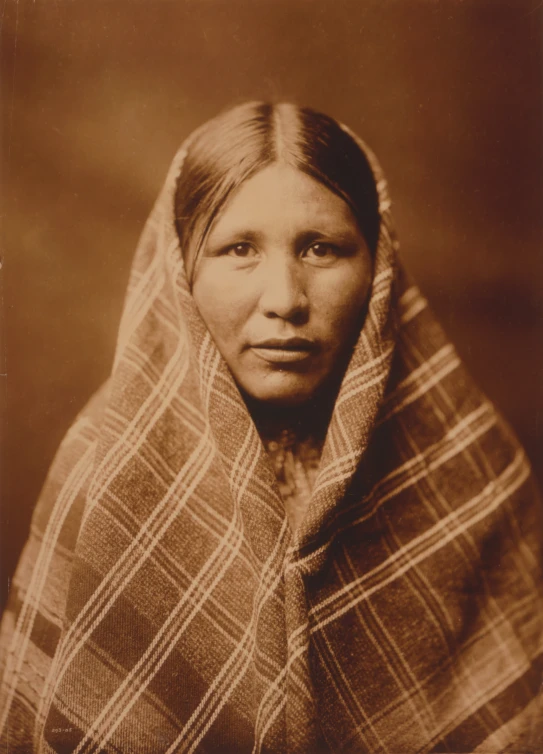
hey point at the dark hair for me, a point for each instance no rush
(240, 142)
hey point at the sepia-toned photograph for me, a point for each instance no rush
(271, 377)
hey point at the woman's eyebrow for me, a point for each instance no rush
(218, 238)
(249, 235)
(340, 235)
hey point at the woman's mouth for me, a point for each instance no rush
(284, 350)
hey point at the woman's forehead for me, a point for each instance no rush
(278, 199)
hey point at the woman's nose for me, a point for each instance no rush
(283, 291)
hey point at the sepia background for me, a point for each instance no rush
(98, 95)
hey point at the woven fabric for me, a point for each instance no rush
(163, 604)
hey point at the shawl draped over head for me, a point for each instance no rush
(163, 604)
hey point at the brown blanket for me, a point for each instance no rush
(162, 603)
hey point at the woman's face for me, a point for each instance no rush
(281, 284)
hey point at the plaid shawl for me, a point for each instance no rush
(162, 603)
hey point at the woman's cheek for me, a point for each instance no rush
(225, 309)
(231, 308)
(340, 301)
(214, 294)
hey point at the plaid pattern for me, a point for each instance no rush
(162, 603)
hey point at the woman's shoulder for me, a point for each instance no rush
(89, 419)
(33, 619)
(73, 462)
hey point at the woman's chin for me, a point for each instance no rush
(282, 389)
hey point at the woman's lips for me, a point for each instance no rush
(284, 351)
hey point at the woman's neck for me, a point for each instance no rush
(310, 419)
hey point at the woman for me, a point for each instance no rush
(289, 522)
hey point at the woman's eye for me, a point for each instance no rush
(323, 251)
(241, 251)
